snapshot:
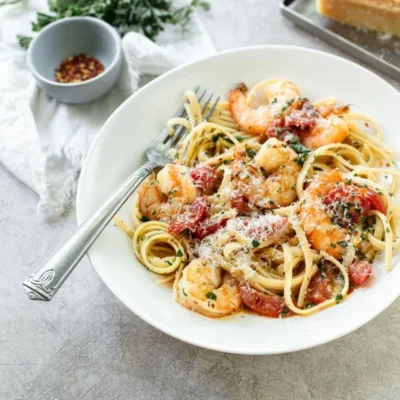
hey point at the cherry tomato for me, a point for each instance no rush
(359, 272)
(204, 229)
(276, 128)
(190, 218)
(238, 201)
(323, 285)
(305, 118)
(265, 304)
(348, 203)
(267, 232)
(204, 176)
(351, 202)
(375, 201)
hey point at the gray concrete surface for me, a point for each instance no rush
(86, 345)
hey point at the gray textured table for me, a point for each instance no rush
(86, 345)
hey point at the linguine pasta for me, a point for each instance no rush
(275, 204)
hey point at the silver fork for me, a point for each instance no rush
(48, 278)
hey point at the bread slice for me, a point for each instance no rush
(375, 15)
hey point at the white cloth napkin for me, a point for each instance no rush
(44, 142)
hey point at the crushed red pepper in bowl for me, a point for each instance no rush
(78, 69)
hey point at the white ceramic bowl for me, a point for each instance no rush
(119, 150)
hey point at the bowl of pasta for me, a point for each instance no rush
(274, 227)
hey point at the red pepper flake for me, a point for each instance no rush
(78, 68)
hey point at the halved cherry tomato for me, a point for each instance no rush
(203, 229)
(348, 202)
(204, 176)
(351, 203)
(359, 272)
(375, 201)
(189, 219)
(265, 304)
(323, 284)
(276, 128)
(266, 232)
(305, 118)
(238, 201)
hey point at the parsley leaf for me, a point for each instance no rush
(339, 298)
(285, 311)
(144, 219)
(179, 253)
(301, 150)
(251, 153)
(211, 295)
(24, 41)
(216, 137)
(255, 243)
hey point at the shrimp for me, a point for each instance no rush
(282, 96)
(277, 160)
(162, 198)
(330, 206)
(329, 128)
(208, 290)
(318, 226)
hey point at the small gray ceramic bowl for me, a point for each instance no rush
(73, 36)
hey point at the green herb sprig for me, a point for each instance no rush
(145, 16)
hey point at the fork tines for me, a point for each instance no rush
(181, 132)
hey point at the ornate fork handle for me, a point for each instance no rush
(48, 278)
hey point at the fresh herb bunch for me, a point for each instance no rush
(145, 16)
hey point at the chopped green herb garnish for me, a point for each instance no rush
(144, 219)
(216, 137)
(211, 295)
(333, 245)
(343, 243)
(301, 150)
(251, 153)
(179, 253)
(285, 311)
(338, 298)
(255, 243)
(288, 103)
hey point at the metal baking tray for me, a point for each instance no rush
(376, 49)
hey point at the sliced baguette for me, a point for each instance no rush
(374, 15)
